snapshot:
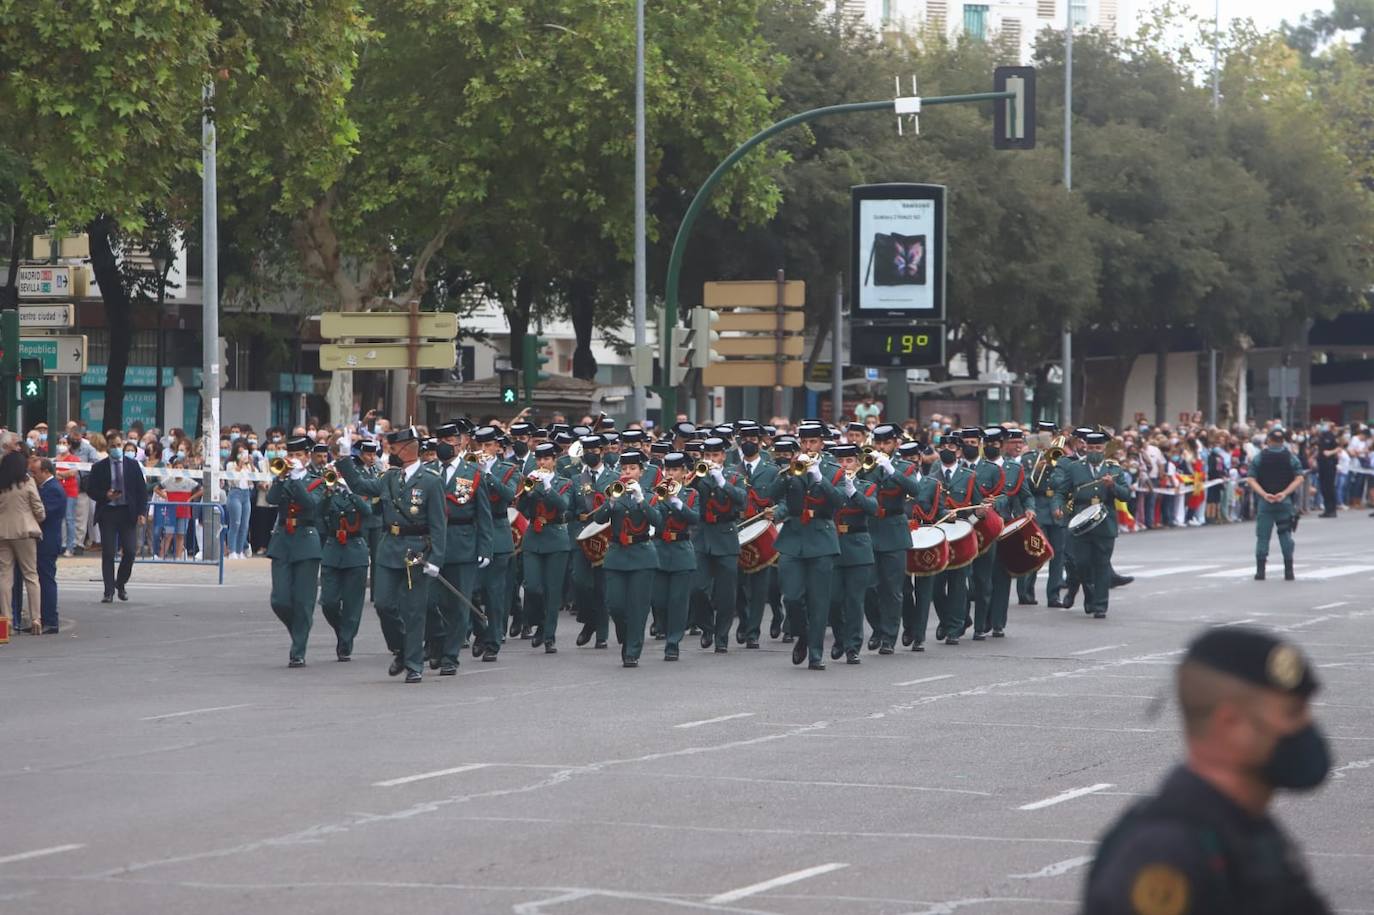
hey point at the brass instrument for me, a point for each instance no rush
(473, 457)
(617, 489)
(870, 460)
(277, 466)
(702, 469)
(801, 465)
(667, 490)
(530, 483)
(1046, 460)
(330, 477)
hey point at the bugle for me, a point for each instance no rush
(667, 490)
(801, 465)
(530, 483)
(277, 466)
(702, 469)
(617, 489)
(330, 476)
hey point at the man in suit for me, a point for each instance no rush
(120, 495)
(55, 503)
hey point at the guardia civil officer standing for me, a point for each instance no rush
(1205, 844)
(1274, 476)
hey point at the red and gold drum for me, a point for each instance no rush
(1023, 548)
(518, 525)
(756, 550)
(929, 553)
(963, 543)
(595, 540)
(986, 530)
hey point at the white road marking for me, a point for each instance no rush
(1096, 650)
(1336, 572)
(1339, 603)
(1231, 573)
(39, 853)
(1065, 796)
(1248, 619)
(697, 724)
(1173, 570)
(765, 886)
(815, 784)
(1054, 870)
(195, 711)
(1339, 771)
(406, 780)
(924, 680)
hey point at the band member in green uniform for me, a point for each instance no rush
(343, 565)
(980, 447)
(499, 479)
(467, 550)
(544, 499)
(590, 480)
(1041, 489)
(854, 566)
(960, 489)
(1014, 501)
(1092, 482)
(295, 545)
(807, 544)
(723, 497)
(677, 558)
(891, 536)
(414, 529)
(368, 462)
(924, 509)
(522, 456)
(631, 561)
(759, 473)
(610, 449)
(1274, 476)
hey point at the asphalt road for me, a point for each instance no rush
(159, 756)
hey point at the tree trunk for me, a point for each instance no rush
(1042, 375)
(9, 295)
(1161, 377)
(582, 305)
(518, 318)
(118, 317)
(1229, 408)
(1103, 394)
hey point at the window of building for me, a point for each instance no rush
(1078, 9)
(976, 20)
(1045, 9)
(937, 12)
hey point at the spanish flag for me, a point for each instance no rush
(1124, 519)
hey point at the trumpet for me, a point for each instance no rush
(473, 457)
(531, 481)
(617, 489)
(277, 466)
(801, 465)
(870, 460)
(667, 490)
(702, 469)
(330, 477)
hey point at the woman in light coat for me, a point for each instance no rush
(21, 519)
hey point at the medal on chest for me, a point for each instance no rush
(416, 498)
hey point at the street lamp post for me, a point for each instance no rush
(161, 261)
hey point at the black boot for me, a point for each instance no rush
(1259, 570)
(1288, 570)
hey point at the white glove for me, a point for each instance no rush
(848, 486)
(675, 502)
(297, 464)
(431, 570)
(884, 462)
(342, 485)
(297, 472)
(718, 476)
(814, 471)
(483, 562)
(548, 483)
(488, 461)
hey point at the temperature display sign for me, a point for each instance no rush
(907, 346)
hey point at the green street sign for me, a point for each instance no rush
(58, 355)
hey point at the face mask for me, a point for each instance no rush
(1300, 761)
(233, 436)
(970, 452)
(519, 449)
(42, 436)
(181, 455)
(947, 456)
(749, 449)
(591, 459)
(61, 449)
(991, 452)
(131, 454)
(445, 451)
(224, 452)
(1095, 457)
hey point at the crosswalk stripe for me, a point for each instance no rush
(1173, 570)
(1336, 571)
(1231, 573)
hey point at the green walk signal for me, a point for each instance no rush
(33, 386)
(534, 358)
(508, 395)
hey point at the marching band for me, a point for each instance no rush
(480, 535)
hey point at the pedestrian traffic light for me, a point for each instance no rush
(534, 358)
(703, 337)
(33, 386)
(509, 393)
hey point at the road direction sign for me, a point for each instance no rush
(59, 355)
(45, 282)
(364, 356)
(440, 325)
(46, 316)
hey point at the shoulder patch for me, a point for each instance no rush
(1160, 889)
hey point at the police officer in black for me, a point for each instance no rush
(1205, 843)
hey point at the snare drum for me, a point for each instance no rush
(756, 551)
(1023, 548)
(929, 553)
(595, 540)
(1086, 519)
(986, 529)
(963, 543)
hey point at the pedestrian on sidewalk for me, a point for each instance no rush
(21, 514)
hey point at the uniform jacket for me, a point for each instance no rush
(469, 536)
(1015, 497)
(413, 515)
(631, 549)
(296, 535)
(1042, 496)
(373, 519)
(499, 485)
(1078, 483)
(547, 511)
(673, 540)
(851, 524)
(344, 518)
(806, 509)
(721, 507)
(888, 528)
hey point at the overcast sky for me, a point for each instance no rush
(1266, 13)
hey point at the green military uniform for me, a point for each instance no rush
(891, 537)
(589, 581)
(631, 563)
(372, 528)
(1042, 500)
(1078, 484)
(717, 545)
(960, 489)
(467, 549)
(991, 481)
(545, 551)
(499, 486)
(677, 567)
(808, 547)
(295, 553)
(1274, 469)
(343, 565)
(414, 521)
(1014, 502)
(853, 567)
(757, 586)
(924, 509)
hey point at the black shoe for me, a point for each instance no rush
(1070, 597)
(448, 670)
(739, 636)
(775, 629)
(489, 655)
(413, 676)
(788, 638)
(836, 651)
(584, 636)
(123, 595)
(1288, 570)
(1100, 615)
(1259, 570)
(537, 639)
(629, 662)
(52, 630)
(653, 630)
(433, 663)
(670, 652)
(1121, 581)
(707, 639)
(397, 665)
(919, 646)
(979, 637)
(342, 656)
(798, 652)
(107, 599)
(873, 643)
(886, 648)
(816, 665)
(660, 637)
(852, 657)
(514, 628)
(1327, 515)
(939, 633)
(693, 630)
(527, 632)
(721, 649)
(1056, 604)
(549, 648)
(907, 638)
(600, 643)
(752, 643)
(998, 634)
(296, 662)
(478, 648)
(1027, 602)
(951, 641)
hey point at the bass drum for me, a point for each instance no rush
(756, 550)
(963, 543)
(986, 529)
(594, 541)
(518, 525)
(1023, 548)
(929, 553)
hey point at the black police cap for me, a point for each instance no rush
(632, 457)
(1255, 657)
(299, 443)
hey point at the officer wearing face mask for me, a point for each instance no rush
(1205, 842)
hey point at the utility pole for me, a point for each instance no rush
(1216, 106)
(1066, 384)
(638, 407)
(209, 320)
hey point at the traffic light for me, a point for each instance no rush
(533, 358)
(678, 356)
(33, 385)
(509, 393)
(1013, 120)
(703, 319)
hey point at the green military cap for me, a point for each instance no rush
(1255, 657)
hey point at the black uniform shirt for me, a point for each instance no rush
(1190, 850)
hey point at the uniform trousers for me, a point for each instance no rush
(589, 593)
(453, 613)
(1093, 560)
(917, 594)
(401, 611)
(1267, 518)
(805, 587)
(980, 583)
(494, 582)
(850, 585)
(1054, 575)
(757, 588)
(672, 591)
(996, 616)
(341, 602)
(294, 585)
(718, 585)
(885, 597)
(951, 601)
(374, 537)
(628, 595)
(544, 574)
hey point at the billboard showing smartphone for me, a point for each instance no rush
(897, 251)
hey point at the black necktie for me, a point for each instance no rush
(748, 473)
